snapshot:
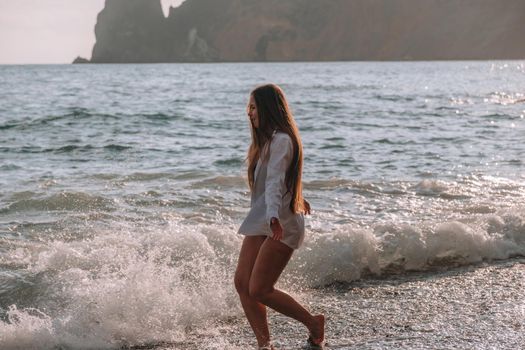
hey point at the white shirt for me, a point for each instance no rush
(270, 197)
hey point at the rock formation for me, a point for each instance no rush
(131, 31)
(79, 60)
(310, 30)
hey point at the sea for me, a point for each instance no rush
(122, 188)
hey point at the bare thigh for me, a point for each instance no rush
(272, 259)
(247, 257)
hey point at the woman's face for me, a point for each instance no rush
(252, 112)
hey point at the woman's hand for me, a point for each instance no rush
(277, 229)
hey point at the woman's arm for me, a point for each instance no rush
(281, 152)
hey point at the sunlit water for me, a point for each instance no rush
(122, 187)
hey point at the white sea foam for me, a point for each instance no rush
(347, 253)
(125, 288)
(145, 285)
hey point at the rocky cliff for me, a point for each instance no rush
(310, 30)
(131, 31)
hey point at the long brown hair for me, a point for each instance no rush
(275, 114)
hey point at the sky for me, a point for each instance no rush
(50, 31)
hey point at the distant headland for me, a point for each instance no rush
(136, 31)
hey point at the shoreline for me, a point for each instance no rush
(477, 307)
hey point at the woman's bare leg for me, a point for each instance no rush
(255, 312)
(272, 259)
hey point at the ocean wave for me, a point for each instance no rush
(63, 201)
(222, 181)
(116, 147)
(140, 176)
(161, 117)
(499, 116)
(10, 166)
(430, 187)
(123, 288)
(143, 285)
(150, 176)
(73, 113)
(391, 188)
(505, 98)
(394, 98)
(327, 184)
(349, 252)
(71, 148)
(333, 146)
(230, 162)
(388, 141)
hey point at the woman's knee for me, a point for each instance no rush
(241, 284)
(259, 292)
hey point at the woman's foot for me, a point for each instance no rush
(317, 332)
(311, 345)
(267, 346)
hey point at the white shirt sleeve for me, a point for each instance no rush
(281, 152)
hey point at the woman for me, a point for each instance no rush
(274, 226)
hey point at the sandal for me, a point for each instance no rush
(266, 347)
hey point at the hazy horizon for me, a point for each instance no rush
(50, 31)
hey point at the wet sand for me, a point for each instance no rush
(473, 307)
